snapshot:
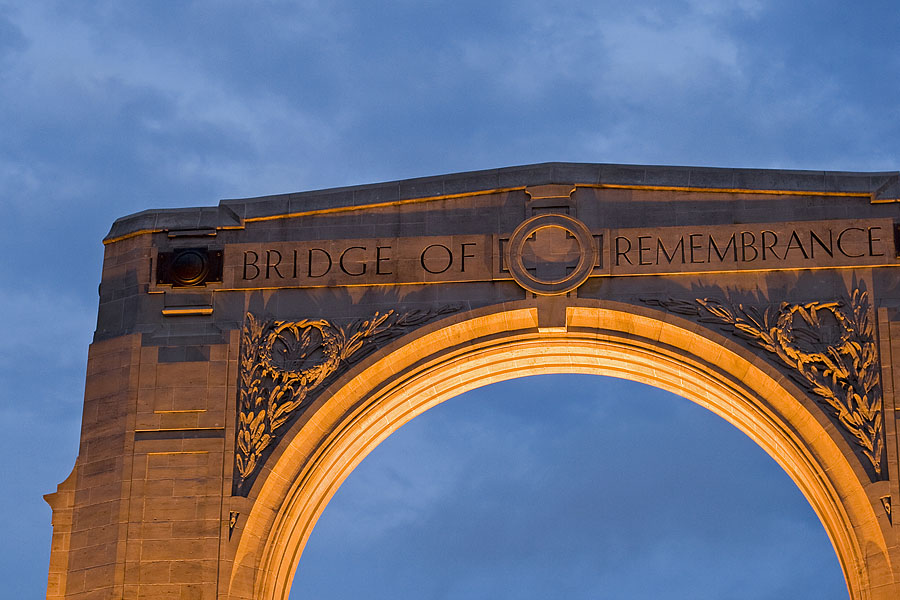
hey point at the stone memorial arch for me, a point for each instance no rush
(248, 356)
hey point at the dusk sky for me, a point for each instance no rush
(574, 487)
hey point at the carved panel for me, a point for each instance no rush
(285, 364)
(828, 347)
(232, 521)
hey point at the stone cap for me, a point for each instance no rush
(231, 214)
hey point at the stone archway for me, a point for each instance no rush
(248, 356)
(484, 348)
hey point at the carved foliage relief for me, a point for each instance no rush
(829, 348)
(285, 364)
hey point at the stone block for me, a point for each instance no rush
(167, 397)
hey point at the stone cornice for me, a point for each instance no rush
(232, 214)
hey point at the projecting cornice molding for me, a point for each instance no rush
(232, 214)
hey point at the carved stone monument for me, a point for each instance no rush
(248, 356)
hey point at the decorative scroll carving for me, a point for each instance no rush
(886, 503)
(829, 347)
(284, 364)
(232, 521)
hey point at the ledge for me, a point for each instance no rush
(231, 214)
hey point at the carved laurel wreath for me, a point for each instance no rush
(829, 347)
(284, 363)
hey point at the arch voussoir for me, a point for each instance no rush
(444, 361)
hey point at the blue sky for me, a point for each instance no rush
(577, 487)
(107, 108)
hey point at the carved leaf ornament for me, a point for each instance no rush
(829, 347)
(283, 364)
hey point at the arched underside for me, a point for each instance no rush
(494, 344)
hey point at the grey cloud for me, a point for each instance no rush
(12, 39)
(45, 349)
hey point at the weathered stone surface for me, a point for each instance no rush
(771, 297)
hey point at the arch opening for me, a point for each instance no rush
(470, 350)
(581, 486)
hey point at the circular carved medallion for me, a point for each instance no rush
(189, 267)
(551, 254)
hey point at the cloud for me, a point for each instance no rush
(149, 109)
(43, 353)
(648, 62)
(12, 40)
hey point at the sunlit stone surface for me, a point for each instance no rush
(248, 356)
